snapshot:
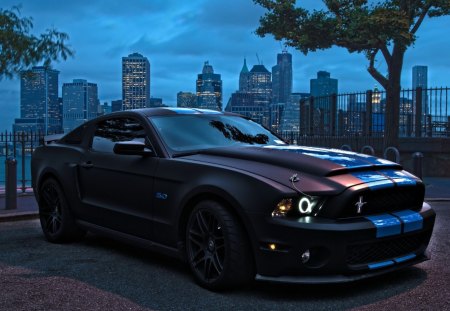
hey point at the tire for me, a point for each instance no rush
(217, 249)
(57, 223)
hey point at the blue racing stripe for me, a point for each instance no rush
(381, 264)
(386, 225)
(404, 258)
(401, 178)
(412, 221)
(374, 180)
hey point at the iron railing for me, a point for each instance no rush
(423, 113)
(19, 146)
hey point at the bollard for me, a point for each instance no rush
(418, 164)
(346, 148)
(11, 183)
(395, 151)
(369, 149)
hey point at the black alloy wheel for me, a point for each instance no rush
(56, 221)
(50, 212)
(217, 249)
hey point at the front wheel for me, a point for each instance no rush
(218, 250)
(57, 222)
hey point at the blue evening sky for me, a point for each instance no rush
(179, 36)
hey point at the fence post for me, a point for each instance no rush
(23, 162)
(419, 118)
(367, 129)
(11, 183)
(429, 125)
(333, 116)
(311, 116)
(418, 164)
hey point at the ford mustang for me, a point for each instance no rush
(232, 199)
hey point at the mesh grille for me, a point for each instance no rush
(389, 249)
(385, 200)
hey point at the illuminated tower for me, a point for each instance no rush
(39, 106)
(135, 82)
(209, 89)
(80, 103)
(282, 78)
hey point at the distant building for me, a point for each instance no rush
(254, 96)
(80, 103)
(244, 78)
(39, 106)
(420, 79)
(116, 105)
(323, 85)
(104, 109)
(291, 117)
(186, 100)
(209, 89)
(156, 102)
(282, 78)
(135, 82)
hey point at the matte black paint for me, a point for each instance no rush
(146, 199)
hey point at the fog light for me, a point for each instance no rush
(305, 256)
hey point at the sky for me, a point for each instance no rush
(179, 36)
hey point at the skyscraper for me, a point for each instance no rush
(209, 89)
(420, 79)
(244, 78)
(80, 103)
(116, 105)
(39, 106)
(186, 100)
(323, 85)
(254, 95)
(135, 81)
(282, 78)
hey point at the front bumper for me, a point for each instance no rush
(341, 250)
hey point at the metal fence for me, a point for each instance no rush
(19, 146)
(423, 113)
(353, 121)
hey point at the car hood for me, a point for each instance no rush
(328, 170)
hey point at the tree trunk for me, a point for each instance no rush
(392, 113)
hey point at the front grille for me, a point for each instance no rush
(388, 249)
(383, 201)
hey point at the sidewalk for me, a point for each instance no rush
(437, 189)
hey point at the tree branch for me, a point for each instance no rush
(421, 18)
(374, 72)
(387, 56)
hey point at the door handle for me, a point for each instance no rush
(87, 164)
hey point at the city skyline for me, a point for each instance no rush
(178, 38)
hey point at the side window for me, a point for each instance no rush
(109, 132)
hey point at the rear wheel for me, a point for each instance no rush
(57, 222)
(217, 248)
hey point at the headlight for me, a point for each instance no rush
(302, 206)
(306, 205)
(283, 208)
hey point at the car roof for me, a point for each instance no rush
(161, 111)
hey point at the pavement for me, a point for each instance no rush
(436, 189)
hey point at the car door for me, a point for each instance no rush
(116, 190)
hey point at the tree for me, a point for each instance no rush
(19, 49)
(379, 29)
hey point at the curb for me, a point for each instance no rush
(19, 216)
(437, 199)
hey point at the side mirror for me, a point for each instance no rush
(132, 148)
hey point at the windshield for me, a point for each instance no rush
(183, 133)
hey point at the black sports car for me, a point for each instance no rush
(231, 198)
